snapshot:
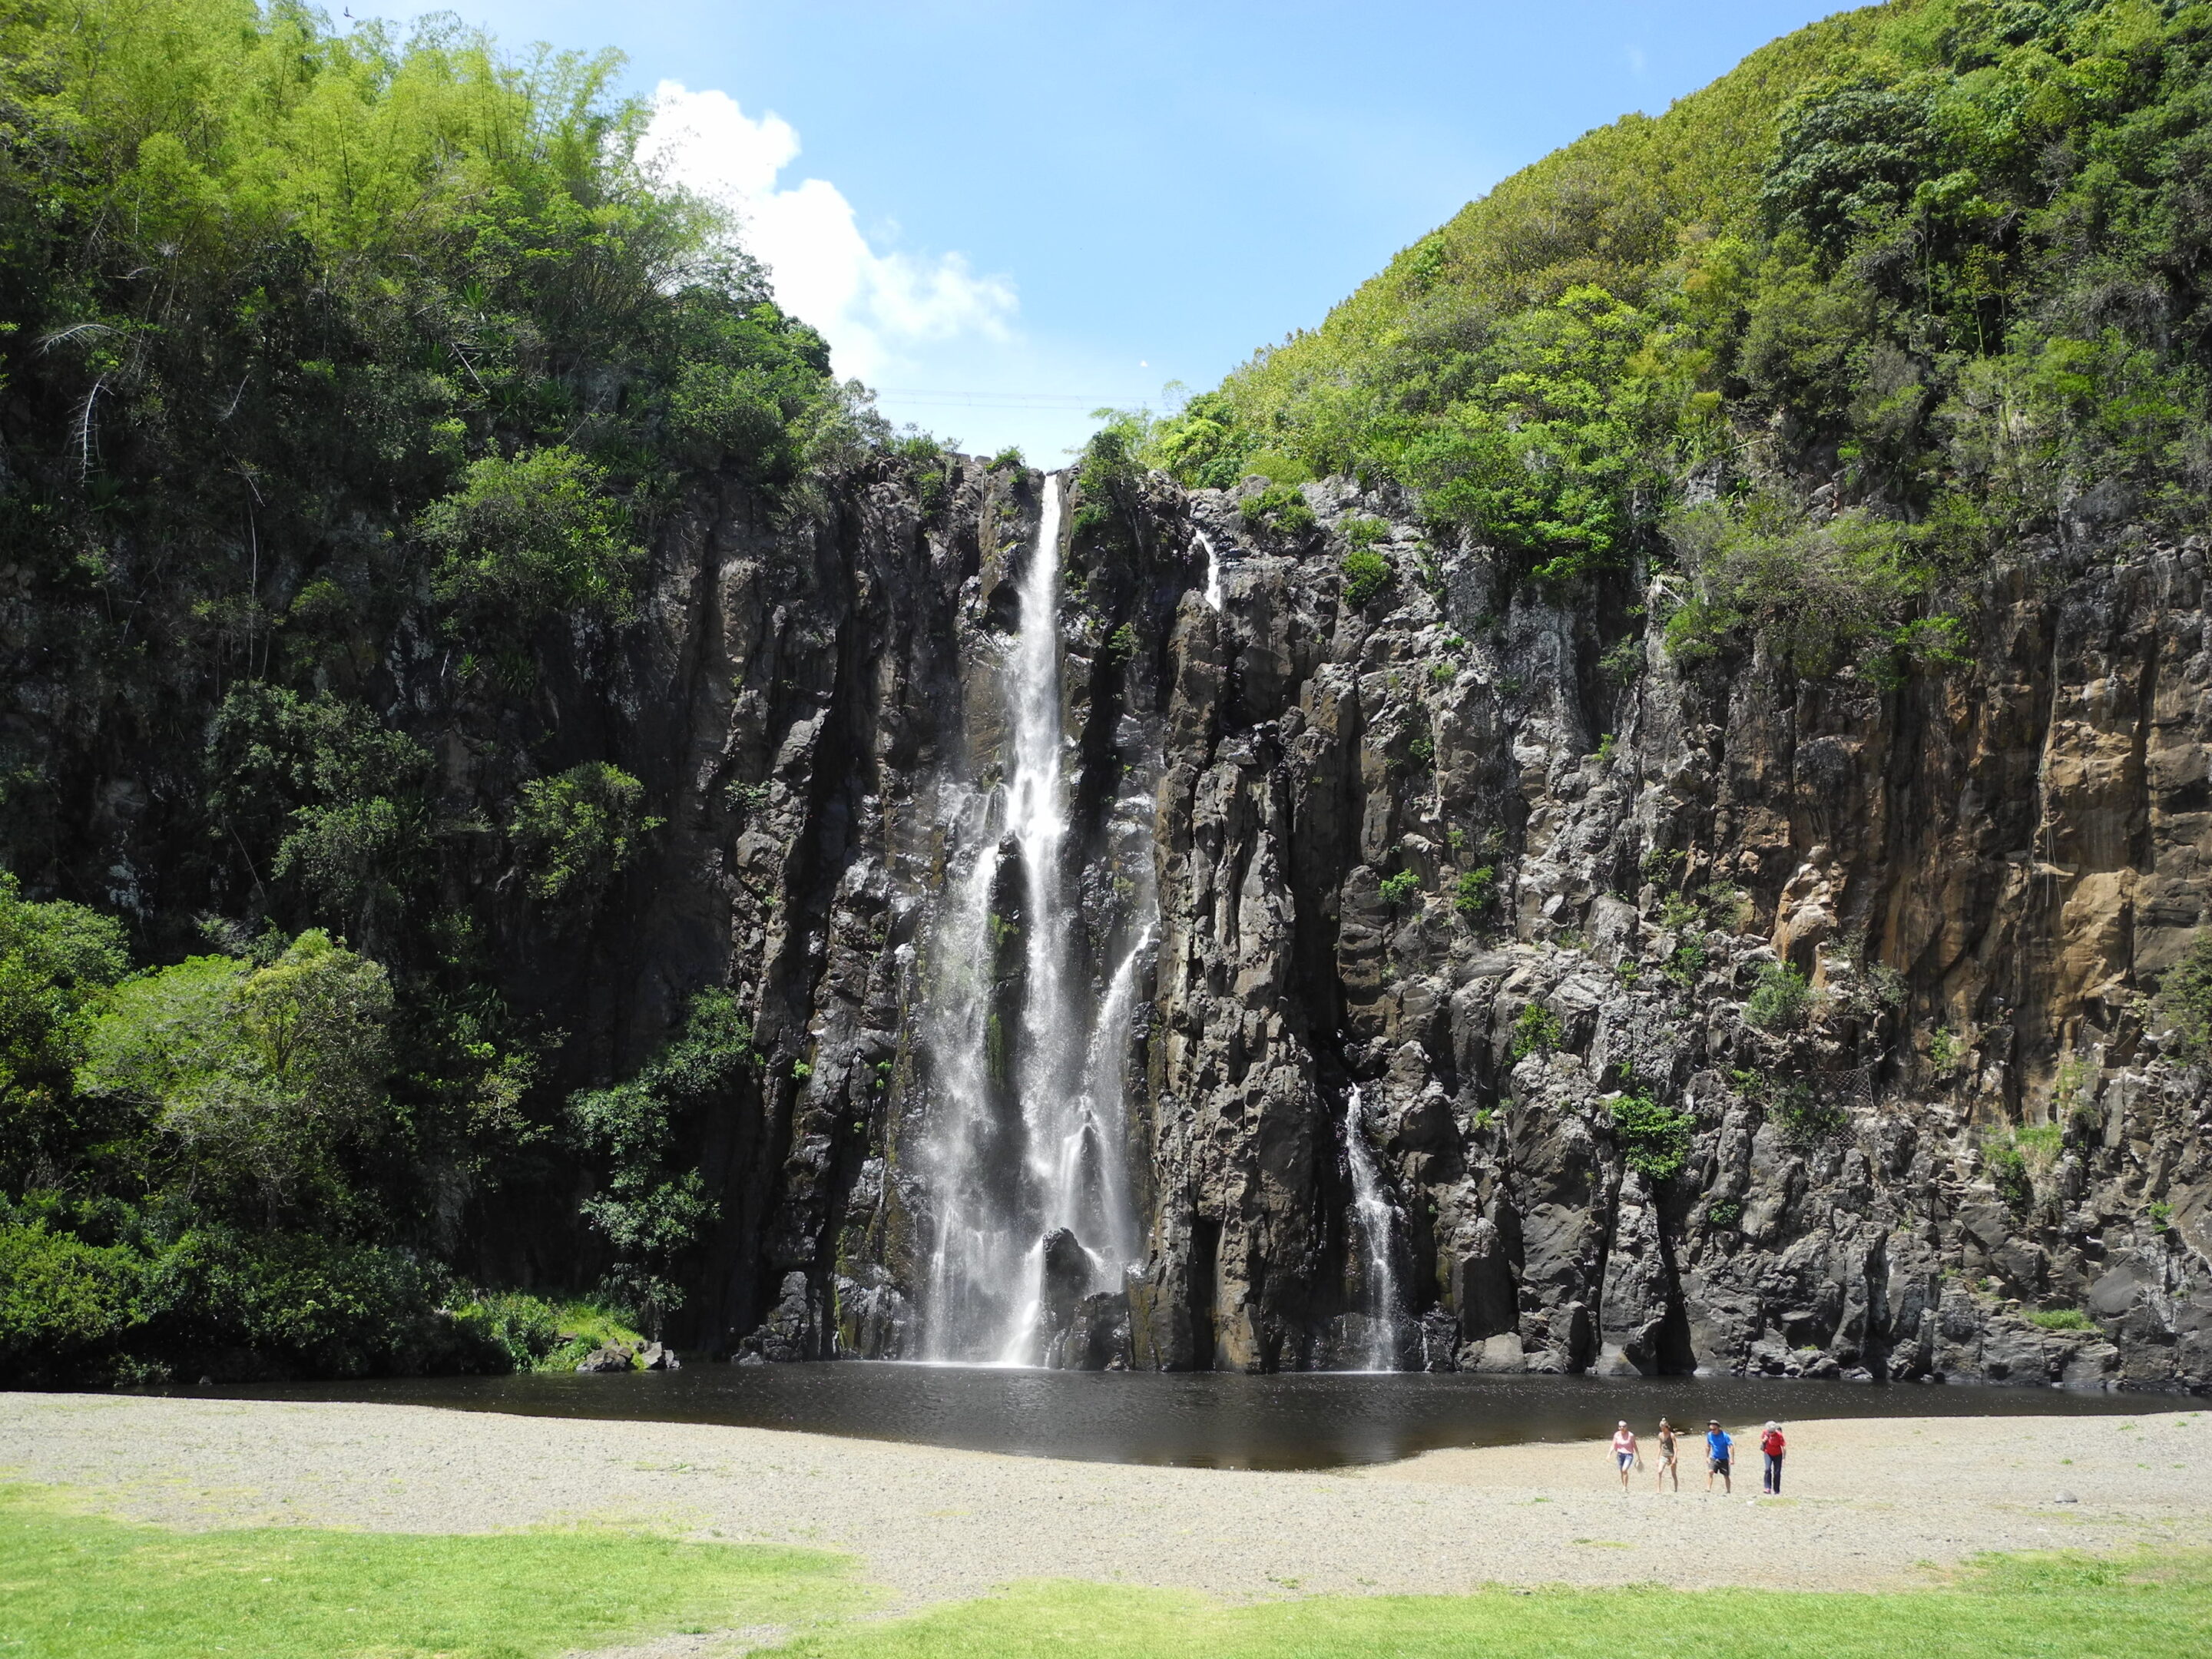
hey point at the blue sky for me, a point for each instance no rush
(1003, 214)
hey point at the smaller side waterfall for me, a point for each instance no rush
(1213, 568)
(1375, 1221)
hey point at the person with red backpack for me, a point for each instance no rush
(1772, 1445)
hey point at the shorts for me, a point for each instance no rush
(1719, 1465)
(1625, 1459)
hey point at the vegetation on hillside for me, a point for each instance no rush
(344, 380)
(1905, 286)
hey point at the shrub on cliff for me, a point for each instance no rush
(1536, 1031)
(1779, 999)
(1475, 892)
(1815, 595)
(651, 1206)
(1280, 507)
(1655, 1140)
(2184, 1001)
(1366, 574)
(575, 832)
(532, 536)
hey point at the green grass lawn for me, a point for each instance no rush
(77, 1587)
(2069, 1608)
(73, 1585)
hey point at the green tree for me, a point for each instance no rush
(533, 537)
(57, 963)
(575, 832)
(254, 1080)
(651, 1206)
(332, 799)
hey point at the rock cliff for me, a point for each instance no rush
(1487, 852)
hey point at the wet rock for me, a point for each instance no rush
(607, 1358)
(1097, 1337)
(875, 1320)
(1603, 863)
(790, 1332)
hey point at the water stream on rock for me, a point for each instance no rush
(1212, 570)
(1024, 1159)
(1372, 1217)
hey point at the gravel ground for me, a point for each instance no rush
(1870, 1503)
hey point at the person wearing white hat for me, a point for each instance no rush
(1772, 1446)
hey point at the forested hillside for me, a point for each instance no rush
(1903, 287)
(346, 380)
(1663, 745)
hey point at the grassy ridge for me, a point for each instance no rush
(1604, 209)
(1915, 285)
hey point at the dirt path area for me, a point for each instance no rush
(1869, 1502)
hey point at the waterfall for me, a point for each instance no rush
(1026, 1137)
(1213, 569)
(1371, 1215)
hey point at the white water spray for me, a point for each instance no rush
(1028, 1135)
(1372, 1215)
(1213, 568)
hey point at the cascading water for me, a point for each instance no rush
(1024, 1155)
(1213, 569)
(1373, 1217)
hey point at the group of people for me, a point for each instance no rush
(1720, 1457)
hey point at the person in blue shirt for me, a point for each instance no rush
(1719, 1449)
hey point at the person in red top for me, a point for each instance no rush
(1772, 1445)
(1623, 1451)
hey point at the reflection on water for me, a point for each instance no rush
(1207, 1420)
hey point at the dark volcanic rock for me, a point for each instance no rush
(1978, 870)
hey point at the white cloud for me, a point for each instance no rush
(872, 306)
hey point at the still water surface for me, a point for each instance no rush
(1207, 1420)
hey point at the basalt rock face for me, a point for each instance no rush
(805, 700)
(1487, 853)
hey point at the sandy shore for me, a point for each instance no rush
(1871, 1503)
